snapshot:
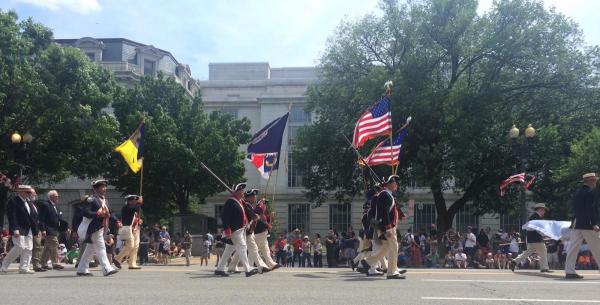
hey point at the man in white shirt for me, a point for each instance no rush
(470, 243)
(460, 259)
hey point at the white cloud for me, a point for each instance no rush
(78, 6)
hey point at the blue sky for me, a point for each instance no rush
(282, 32)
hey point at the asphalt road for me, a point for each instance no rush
(198, 285)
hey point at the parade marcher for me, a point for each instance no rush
(50, 222)
(387, 215)
(535, 242)
(21, 226)
(36, 253)
(234, 227)
(91, 230)
(585, 224)
(261, 231)
(366, 234)
(130, 232)
(253, 255)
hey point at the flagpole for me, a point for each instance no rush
(388, 92)
(142, 179)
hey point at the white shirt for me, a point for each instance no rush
(514, 245)
(26, 204)
(471, 240)
(460, 257)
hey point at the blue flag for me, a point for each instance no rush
(267, 142)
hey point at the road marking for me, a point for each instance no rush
(510, 300)
(518, 281)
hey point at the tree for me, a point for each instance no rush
(57, 95)
(178, 135)
(465, 79)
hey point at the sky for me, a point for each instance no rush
(285, 33)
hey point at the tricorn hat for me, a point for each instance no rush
(132, 197)
(392, 178)
(23, 187)
(251, 192)
(99, 182)
(239, 186)
(589, 176)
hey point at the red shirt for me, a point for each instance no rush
(297, 243)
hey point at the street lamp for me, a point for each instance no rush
(520, 149)
(15, 138)
(21, 154)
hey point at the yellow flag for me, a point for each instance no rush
(131, 149)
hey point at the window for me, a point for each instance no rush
(294, 176)
(218, 211)
(340, 217)
(91, 56)
(299, 217)
(465, 218)
(148, 67)
(425, 215)
(510, 221)
(299, 115)
(231, 111)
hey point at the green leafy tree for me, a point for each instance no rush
(57, 95)
(178, 135)
(465, 79)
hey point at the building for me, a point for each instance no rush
(262, 93)
(130, 60)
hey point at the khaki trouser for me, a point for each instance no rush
(50, 250)
(576, 238)
(540, 249)
(388, 248)
(188, 254)
(36, 253)
(362, 246)
(263, 248)
(131, 247)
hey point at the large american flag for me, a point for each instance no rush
(384, 153)
(524, 179)
(376, 121)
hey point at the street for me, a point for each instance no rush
(198, 285)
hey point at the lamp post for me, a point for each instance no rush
(21, 154)
(520, 148)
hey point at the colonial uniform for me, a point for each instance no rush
(535, 244)
(22, 227)
(261, 232)
(584, 225)
(91, 230)
(234, 224)
(387, 215)
(130, 232)
(253, 254)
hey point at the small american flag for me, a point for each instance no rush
(526, 180)
(384, 153)
(376, 121)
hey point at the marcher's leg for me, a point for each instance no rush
(225, 257)
(392, 254)
(100, 249)
(239, 241)
(253, 256)
(576, 238)
(263, 248)
(26, 254)
(135, 247)
(15, 251)
(542, 251)
(36, 254)
(84, 259)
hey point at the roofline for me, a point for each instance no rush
(67, 40)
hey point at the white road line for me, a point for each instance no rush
(518, 281)
(510, 300)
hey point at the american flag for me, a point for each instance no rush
(526, 180)
(384, 153)
(376, 121)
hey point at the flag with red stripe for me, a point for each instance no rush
(375, 122)
(526, 180)
(384, 153)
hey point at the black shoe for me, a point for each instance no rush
(277, 266)
(265, 270)
(117, 263)
(353, 265)
(365, 265)
(360, 270)
(251, 272)
(38, 269)
(112, 272)
(402, 271)
(46, 268)
(58, 267)
(573, 276)
(234, 272)
(512, 264)
(546, 271)
(395, 277)
(84, 274)
(221, 273)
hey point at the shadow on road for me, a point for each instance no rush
(310, 276)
